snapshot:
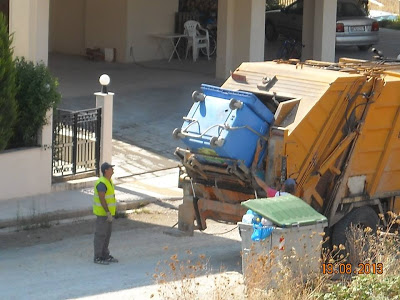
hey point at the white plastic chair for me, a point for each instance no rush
(195, 39)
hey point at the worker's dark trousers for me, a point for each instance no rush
(102, 236)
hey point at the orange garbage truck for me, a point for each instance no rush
(332, 127)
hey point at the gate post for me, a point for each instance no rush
(105, 101)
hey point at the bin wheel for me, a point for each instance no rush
(362, 217)
(198, 96)
(235, 104)
(176, 133)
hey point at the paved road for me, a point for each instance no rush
(64, 269)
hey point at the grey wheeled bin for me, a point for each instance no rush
(294, 243)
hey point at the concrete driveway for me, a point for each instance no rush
(150, 100)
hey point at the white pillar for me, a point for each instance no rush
(29, 22)
(324, 30)
(105, 101)
(45, 139)
(308, 29)
(256, 30)
(241, 34)
(224, 38)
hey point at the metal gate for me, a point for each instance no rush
(76, 144)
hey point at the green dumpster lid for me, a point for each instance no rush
(285, 211)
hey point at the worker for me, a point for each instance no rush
(289, 187)
(104, 206)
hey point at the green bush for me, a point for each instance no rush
(366, 287)
(390, 24)
(37, 93)
(8, 105)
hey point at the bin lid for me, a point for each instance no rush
(285, 211)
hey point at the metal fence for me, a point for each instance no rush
(76, 143)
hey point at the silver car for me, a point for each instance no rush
(353, 27)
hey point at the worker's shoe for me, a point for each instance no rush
(111, 259)
(100, 261)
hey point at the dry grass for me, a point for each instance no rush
(191, 278)
(274, 275)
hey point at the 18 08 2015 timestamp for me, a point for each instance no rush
(342, 268)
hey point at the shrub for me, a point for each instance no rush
(8, 111)
(37, 93)
(390, 24)
(366, 287)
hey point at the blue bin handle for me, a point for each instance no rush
(183, 133)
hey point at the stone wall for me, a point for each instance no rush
(392, 6)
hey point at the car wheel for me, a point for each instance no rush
(270, 32)
(364, 47)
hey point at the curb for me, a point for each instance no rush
(63, 216)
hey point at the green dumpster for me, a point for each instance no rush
(295, 241)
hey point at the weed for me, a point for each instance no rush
(34, 222)
(295, 273)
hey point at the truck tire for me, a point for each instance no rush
(364, 216)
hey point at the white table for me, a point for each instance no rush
(174, 39)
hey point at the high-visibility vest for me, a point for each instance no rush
(98, 209)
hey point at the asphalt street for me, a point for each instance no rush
(65, 270)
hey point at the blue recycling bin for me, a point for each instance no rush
(226, 124)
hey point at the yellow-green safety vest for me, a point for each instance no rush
(98, 210)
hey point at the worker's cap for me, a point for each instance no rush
(290, 181)
(105, 166)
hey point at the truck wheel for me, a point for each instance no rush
(364, 217)
(270, 32)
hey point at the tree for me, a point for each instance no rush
(8, 104)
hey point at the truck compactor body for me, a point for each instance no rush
(332, 127)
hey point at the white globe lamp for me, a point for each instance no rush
(104, 81)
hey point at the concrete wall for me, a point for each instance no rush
(144, 18)
(106, 25)
(29, 22)
(28, 169)
(27, 172)
(126, 25)
(67, 26)
(392, 6)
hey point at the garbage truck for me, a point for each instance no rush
(332, 127)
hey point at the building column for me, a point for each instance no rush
(324, 30)
(241, 34)
(308, 30)
(29, 23)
